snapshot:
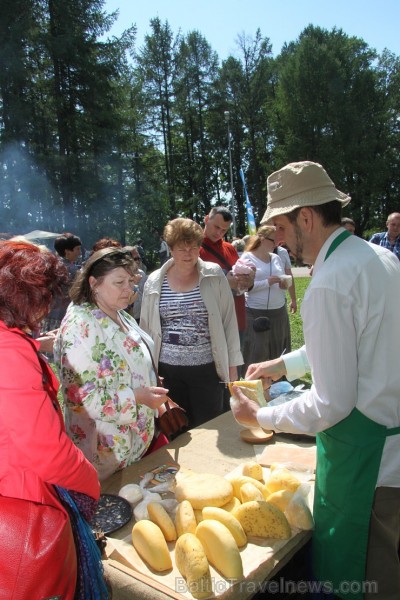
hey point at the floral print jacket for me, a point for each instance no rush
(99, 367)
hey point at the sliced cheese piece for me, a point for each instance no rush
(238, 480)
(281, 479)
(232, 504)
(281, 499)
(248, 491)
(252, 389)
(262, 519)
(253, 469)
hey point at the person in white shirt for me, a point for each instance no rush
(285, 258)
(351, 329)
(163, 251)
(266, 300)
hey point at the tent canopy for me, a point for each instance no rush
(37, 234)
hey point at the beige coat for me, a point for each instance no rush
(217, 297)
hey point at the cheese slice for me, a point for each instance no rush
(252, 389)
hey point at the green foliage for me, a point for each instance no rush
(102, 138)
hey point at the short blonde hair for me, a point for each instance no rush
(183, 231)
(263, 232)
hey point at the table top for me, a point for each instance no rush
(215, 447)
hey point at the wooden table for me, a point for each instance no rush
(215, 447)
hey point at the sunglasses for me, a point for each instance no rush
(114, 256)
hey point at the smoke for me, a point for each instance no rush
(27, 200)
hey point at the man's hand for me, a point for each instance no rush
(268, 371)
(244, 410)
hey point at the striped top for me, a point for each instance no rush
(184, 326)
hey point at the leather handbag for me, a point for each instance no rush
(37, 551)
(171, 419)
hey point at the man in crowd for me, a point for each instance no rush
(390, 239)
(136, 302)
(163, 251)
(349, 224)
(68, 246)
(351, 330)
(215, 249)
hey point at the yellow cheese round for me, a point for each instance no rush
(204, 490)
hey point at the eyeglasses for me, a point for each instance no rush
(187, 249)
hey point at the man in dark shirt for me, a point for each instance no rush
(68, 246)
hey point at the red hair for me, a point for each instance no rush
(29, 279)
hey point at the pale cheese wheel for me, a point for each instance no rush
(204, 490)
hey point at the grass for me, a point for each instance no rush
(296, 323)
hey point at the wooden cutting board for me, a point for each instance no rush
(293, 454)
(256, 435)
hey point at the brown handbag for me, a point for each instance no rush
(171, 419)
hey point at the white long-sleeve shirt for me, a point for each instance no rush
(351, 323)
(263, 295)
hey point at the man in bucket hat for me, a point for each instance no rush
(351, 331)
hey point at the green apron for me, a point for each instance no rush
(348, 461)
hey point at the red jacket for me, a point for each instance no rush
(230, 256)
(35, 451)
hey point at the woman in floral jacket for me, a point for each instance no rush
(105, 366)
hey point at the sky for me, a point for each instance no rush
(221, 21)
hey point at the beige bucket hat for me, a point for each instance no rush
(300, 184)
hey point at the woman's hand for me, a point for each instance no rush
(273, 279)
(233, 374)
(152, 397)
(47, 340)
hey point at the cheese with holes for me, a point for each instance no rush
(262, 519)
(192, 563)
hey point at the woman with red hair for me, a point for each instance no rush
(46, 547)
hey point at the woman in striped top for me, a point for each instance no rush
(188, 310)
